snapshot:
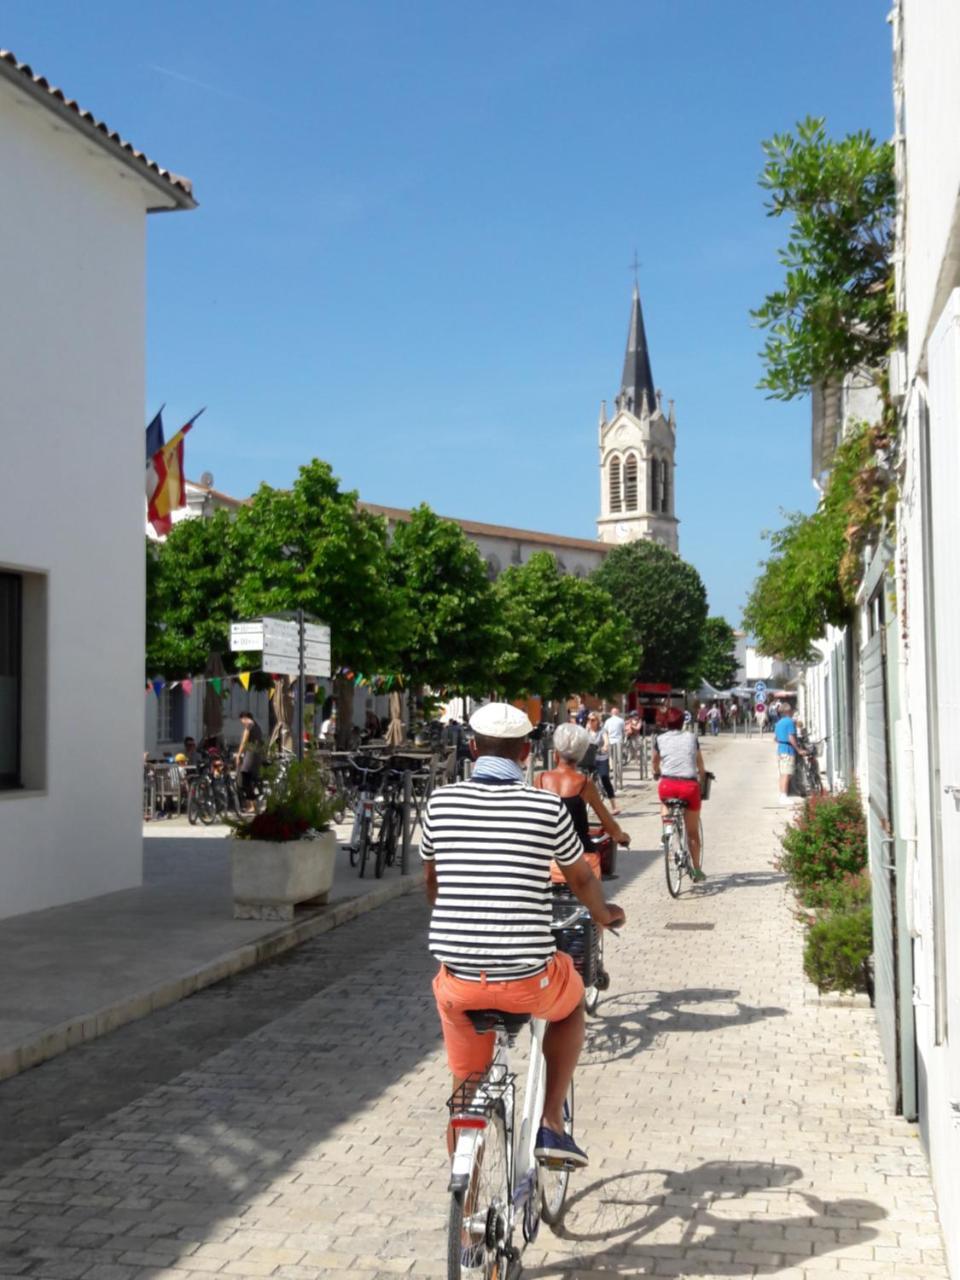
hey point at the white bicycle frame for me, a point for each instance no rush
(497, 1084)
(523, 1171)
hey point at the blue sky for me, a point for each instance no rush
(415, 227)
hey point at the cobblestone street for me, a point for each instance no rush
(289, 1123)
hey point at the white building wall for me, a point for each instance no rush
(72, 231)
(926, 592)
(932, 88)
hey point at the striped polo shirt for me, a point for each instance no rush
(492, 839)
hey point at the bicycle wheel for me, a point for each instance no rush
(363, 842)
(354, 845)
(206, 802)
(600, 979)
(673, 854)
(477, 1225)
(193, 804)
(554, 1182)
(390, 834)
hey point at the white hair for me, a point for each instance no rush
(570, 742)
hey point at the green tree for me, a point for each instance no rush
(835, 311)
(810, 580)
(562, 635)
(665, 603)
(718, 664)
(310, 547)
(190, 587)
(453, 639)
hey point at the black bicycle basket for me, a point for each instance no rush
(580, 941)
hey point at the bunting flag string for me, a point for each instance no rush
(377, 684)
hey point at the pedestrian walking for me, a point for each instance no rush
(249, 755)
(601, 763)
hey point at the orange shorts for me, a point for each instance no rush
(552, 994)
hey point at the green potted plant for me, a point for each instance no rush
(284, 856)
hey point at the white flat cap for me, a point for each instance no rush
(500, 720)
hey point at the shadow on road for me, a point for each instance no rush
(715, 884)
(701, 1218)
(629, 1022)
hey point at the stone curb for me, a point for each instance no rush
(56, 1040)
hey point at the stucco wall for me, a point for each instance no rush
(71, 497)
(932, 88)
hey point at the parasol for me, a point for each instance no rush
(396, 733)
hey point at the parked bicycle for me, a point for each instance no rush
(212, 794)
(499, 1192)
(366, 771)
(807, 777)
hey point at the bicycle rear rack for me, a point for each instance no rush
(471, 1109)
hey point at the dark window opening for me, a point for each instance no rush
(11, 631)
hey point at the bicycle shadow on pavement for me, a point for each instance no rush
(628, 1023)
(698, 1221)
(723, 882)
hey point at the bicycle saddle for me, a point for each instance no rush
(485, 1020)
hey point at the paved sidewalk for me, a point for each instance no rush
(736, 1126)
(72, 973)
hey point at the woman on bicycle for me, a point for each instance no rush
(570, 743)
(678, 763)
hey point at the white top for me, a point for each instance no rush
(614, 727)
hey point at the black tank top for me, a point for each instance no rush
(577, 809)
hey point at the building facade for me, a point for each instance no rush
(72, 247)
(637, 452)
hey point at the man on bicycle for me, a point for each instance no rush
(487, 845)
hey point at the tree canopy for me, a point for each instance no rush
(453, 637)
(718, 664)
(310, 547)
(835, 310)
(810, 580)
(665, 603)
(191, 579)
(562, 635)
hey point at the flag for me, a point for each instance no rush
(169, 492)
(154, 445)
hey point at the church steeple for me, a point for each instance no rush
(637, 382)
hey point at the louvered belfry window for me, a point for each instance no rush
(654, 483)
(630, 484)
(616, 501)
(665, 488)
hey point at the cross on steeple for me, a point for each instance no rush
(635, 266)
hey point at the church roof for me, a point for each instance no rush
(637, 374)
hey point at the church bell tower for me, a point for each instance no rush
(637, 446)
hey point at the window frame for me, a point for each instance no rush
(14, 781)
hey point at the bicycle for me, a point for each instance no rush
(496, 1183)
(361, 838)
(676, 852)
(808, 778)
(583, 942)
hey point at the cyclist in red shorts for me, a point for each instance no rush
(678, 764)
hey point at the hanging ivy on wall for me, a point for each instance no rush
(811, 578)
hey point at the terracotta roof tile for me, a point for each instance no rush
(179, 189)
(495, 530)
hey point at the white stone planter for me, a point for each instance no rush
(272, 878)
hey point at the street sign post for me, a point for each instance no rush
(289, 647)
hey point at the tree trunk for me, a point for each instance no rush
(343, 692)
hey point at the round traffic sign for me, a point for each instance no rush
(760, 688)
(760, 708)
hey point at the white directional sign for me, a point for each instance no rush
(246, 636)
(278, 639)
